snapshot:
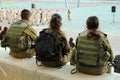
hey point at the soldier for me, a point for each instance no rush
(93, 50)
(57, 53)
(69, 15)
(20, 36)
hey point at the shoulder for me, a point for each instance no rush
(13, 24)
(29, 27)
(19, 24)
(104, 38)
(80, 35)
(83, 33)
(45, 30)
(104, 35)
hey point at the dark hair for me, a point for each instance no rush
(25, 14)
(3, 33)
(5, 28)
(0, 28)
(92, 22)
(55, 22)
(71, 39)
(68, 11)
(92, 25)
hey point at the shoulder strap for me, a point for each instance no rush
(19, 27)
(73, 71)
(20, 22)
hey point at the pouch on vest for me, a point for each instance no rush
(24, 42)
(103, 60)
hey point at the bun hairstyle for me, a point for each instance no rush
(55, 22)
(92, 26)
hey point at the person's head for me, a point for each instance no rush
(55, 22)
(92, 26)
(68, 10)
(25, 14)
(92, 23)
(71, 39)
(5, 28)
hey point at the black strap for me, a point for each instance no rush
(59, 56)
(38, 63)
(59, 67)
(73, 71)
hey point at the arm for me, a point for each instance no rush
(31, 32)
(67, 46)
(107, 47)
(73, 59)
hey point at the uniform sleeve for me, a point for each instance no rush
(107, 46)
(73, 59)
(67, 46)
(31, 32)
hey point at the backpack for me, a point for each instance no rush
(15, 38)
(117, 64)
(49, 47)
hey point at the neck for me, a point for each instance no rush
(25, 20)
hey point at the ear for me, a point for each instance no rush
(28, 18)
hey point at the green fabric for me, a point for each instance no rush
(19, 38)
(15, 33)
(86, 50)
(31, 32)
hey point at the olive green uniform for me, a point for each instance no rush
(28, 31)
(88, 46)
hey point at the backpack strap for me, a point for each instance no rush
(54, 34)
(73, 71)
(59, 56)
(38, 64)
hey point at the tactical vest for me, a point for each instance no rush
(87, 50)
(90, 53)
(15, 36)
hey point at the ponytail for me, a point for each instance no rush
(93, 34)
(55, 22)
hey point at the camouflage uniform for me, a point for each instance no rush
(90, 49)
(29, 31)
